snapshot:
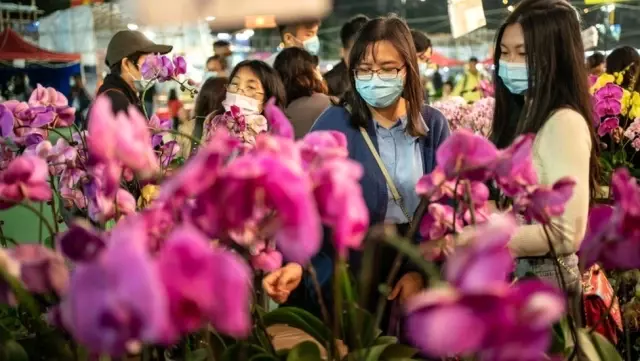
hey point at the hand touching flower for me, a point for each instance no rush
(280, 283)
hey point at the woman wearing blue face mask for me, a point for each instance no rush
(394, 136)
(541, 87)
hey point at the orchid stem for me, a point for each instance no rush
(472, 210)
(43, 220)
(53, 205)
(59, 133)
(323, 308)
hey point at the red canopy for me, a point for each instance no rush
(13, 46)
(441, 60)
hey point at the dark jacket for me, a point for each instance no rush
(338, 79)
(120, 93)
(374, 191)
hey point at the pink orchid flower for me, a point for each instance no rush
(486, 261)
(439, 221)
(466, 155)
(26, 178)
(514, 169)
(544, 203)
(608, 125)
(204, 284)
(180, 65)
(41, 269)
(50, 100)
(279, 124)
(323, 145)
(435, 186)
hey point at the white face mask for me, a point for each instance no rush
(248, 106)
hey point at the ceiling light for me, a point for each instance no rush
(210, 18)
(132, 27)
(510, 8)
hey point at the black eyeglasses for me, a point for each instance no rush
(383, 74)
(250, 92)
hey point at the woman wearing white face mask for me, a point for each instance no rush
(251, 84)
(542, 88)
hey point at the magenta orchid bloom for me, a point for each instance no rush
(613, 234)
(544, 203)
(608, 108)
(318, 146)
(486, 261)
(497, 323)
(467, 316)
(266, 260)
(127, 298)
(133, 141)
(514, 169)
(522, 330)
(608, 125)
(26, 178)
(180, 65)
(466, 155)
(204, 284)
(279, 124)
(439, 221)
(435, 186)
(340, 202)
(201, 171)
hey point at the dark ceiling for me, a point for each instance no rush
(628, 17)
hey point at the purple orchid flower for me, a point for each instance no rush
(467, 155)
(180, 65)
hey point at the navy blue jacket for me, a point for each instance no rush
(374, 189)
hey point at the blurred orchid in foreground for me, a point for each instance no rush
(613, 233)
(467, 155)
(484, 315)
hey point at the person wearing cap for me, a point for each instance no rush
(126, 53)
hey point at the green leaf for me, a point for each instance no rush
(305, 351)
(198, 355)
(242, 351)
(596, 347)
(386, 352)
(369, 333)
(13, 351)
(300, 319)
(263, 357)
(386, 340)
(558, 342)
(398, 351)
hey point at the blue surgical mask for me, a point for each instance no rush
(380, 93)
(312, 45)
(515, 76)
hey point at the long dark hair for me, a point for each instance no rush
(621, 58)
(210, 96)
(396, 31)
(557, 75)
(297, 69)
(271, 83)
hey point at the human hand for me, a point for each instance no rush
(409, 285)
(279, 283)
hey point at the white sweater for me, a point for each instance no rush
(562, 148)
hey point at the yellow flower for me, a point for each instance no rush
(603, 80)
(619, 77)
(624, 102)
(634, 111)
(148, 194)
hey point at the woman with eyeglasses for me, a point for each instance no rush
(251, 84)
(390, 131)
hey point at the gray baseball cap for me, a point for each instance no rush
(129, 42)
